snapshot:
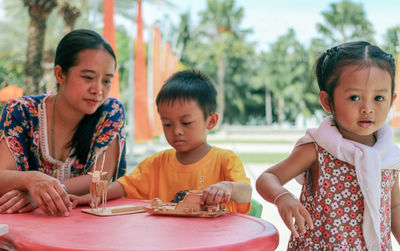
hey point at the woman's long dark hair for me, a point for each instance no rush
(66, 57)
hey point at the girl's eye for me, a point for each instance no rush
(379, 98)
(186, 123)
(166, 125)
(354, 98)
(108, 81)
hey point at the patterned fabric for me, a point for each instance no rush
(336, 207)
(20, 126)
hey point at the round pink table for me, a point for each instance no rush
(140, 231)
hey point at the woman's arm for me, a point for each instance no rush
(80, 185)
(45, 191)
(395, 215)
(270, 186)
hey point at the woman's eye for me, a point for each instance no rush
(379, 98)
(166, 125)
(88, 77)
(354, 98)
(186, 123)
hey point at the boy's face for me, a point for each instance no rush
(184, 125)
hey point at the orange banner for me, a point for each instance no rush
(396, 104)
(157, 79)
(142, 129)
(109, 35)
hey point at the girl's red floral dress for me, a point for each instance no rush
(336, 207)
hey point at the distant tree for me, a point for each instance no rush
(219, 28)
(391, 42)
(286, 73)
(38, 11)
(345, 21)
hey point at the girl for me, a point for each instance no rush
(350, 198)
(57, 137)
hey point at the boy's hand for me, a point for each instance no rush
(290, 208)
(214, 194)
(79, 200)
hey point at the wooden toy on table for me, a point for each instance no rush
(98, 187)
(190, 206)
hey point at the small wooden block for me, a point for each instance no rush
(116, 210)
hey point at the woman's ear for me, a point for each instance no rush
(59, 74)
(324, 99)
(212, 120)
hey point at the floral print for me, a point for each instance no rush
(336, 206)
(20, 127)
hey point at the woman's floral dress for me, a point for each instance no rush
(24, 127)
(336, 206)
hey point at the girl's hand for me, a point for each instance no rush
(80, 200)
(214, 194)
(290, 208)
(48, 194)
(15, 201)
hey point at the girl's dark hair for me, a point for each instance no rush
(190, 85)
(67, 53)
(330, 64)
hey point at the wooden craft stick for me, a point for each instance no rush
(127, 209)
(102, 162)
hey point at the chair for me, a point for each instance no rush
(255, 209)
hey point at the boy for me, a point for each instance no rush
(186, 105)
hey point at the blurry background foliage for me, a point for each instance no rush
(255, 87)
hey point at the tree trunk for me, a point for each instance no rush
(221, 88)
(38, 12)
(268, 107)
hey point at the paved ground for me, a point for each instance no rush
(270, 213)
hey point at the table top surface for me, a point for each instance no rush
(139, 231)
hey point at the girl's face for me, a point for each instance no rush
(87, 84)
(184, 125)
(362, 100)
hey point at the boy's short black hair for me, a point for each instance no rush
(189, 85)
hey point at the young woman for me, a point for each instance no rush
(49, 142)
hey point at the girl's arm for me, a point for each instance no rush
(80, 185)
(395, 215)
(270, 186)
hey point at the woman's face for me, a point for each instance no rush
(87, 84)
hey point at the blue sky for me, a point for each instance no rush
(271, 18)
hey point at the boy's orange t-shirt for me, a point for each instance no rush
(162, 175)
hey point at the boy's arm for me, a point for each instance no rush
(114, 191)
(241, 192)
(395, 215)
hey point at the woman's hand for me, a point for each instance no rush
(290, 208)
(15, 201)
(217, 193)
(48, 194)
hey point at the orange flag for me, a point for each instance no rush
(109, 35)
(157, 79)
(143, 130)
(10, 92)
(396, 105)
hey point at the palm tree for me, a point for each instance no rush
(219, 25)
(38, 11)
(345, 21)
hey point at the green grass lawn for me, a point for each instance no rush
(262, 157)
